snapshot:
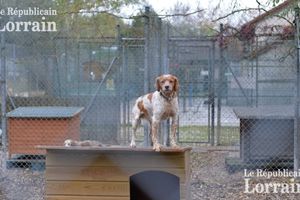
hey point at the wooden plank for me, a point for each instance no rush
(56, 197)
(115, 159)
(183, 192)
(89, 188)
(103, 173)
(40, 132)
(93, 190)
(114, 148)
(187, 186)
(60, 197)
(97, 151)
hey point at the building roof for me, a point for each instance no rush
(247, 31)
(271, 12)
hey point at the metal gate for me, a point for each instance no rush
(192, 60)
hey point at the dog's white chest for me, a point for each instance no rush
(164, 109)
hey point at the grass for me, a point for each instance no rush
(229, 135)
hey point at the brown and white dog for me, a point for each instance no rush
(157, 106)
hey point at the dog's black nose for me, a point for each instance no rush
(167, 87)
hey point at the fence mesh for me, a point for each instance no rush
(237, 90)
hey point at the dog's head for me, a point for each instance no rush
(167, 83)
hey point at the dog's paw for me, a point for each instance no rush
(132, 145)
(157, 147)
(174, 145)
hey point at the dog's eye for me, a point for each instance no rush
(171, 81)
(163, 81)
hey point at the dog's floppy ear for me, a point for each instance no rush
(157, 84)
(176, 84)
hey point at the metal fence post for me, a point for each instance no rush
(159, 43)
(125, 90)
(146, 49)
(3, 92)
(162, 47)
(165, 51)
(220, 85)
(212, 95)
(297, 95)
(256, 75)
(120, 80)
(146, 66)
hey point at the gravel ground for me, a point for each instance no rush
(210, 181)
(20, 184)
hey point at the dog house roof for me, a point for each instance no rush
(266, 112)
(45, 112)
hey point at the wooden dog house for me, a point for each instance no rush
(32, 126)
(266, 138)
(266, 133)
(106, 172)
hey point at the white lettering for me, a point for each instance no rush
(10, 11)
(29, 11)
(259, 188)
(26, 27)
(18, 26)
(247, 187)
(51, 27)
(10, 26)
(285, 188)
(33, 26)
(272, 187)
(248, 174)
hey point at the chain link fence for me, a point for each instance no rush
(71, 74)
(238, 90)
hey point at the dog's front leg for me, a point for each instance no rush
(155, 127)
(173, 142)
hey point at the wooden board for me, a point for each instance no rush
(113, 148)
(24, 134)
(88, 188)
(112, 159)
(62, 197)
(93, 188)
(103, 173)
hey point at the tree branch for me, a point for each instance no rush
(236, 11)
(181, 14)
(109, 12)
